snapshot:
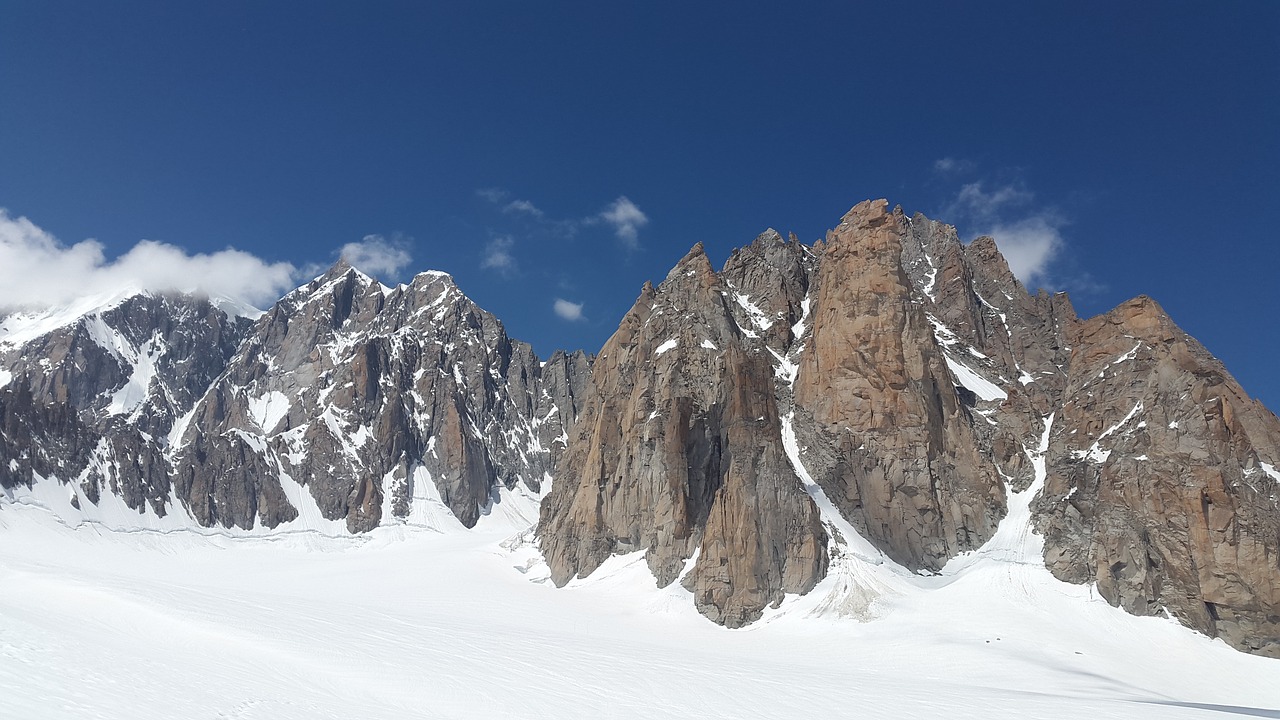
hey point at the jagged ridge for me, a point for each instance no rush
(888, 388)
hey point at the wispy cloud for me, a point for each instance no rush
(570, 311)
(516, 207)
(626, 219)
(1030, 246)
(622, 215)
(950, 165)
(975, 202)
(1028, 235)
(493, 195)
(497, 255)
(377, 255)
(36, 269)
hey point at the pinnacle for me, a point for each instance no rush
(866, 213)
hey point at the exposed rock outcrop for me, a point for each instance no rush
(678, 453)
(899, 454)
(373, 399)
(915, 371)
(1162, 484)
(920, 374)
(105, 387)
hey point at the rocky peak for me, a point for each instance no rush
(678, 452)
(127, 370)
(889, 381)
(695, 264)
(889, 438)
(1143, 317)
(922, 383)
(866, 215)
(1162, 486)
(375, 405)
(984, 253)
(769, 282)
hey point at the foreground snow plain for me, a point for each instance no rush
(441, 622)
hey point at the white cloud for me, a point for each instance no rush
(523, 206)
(568, 310)
(948, 165)
(1029, 246)
(36, 269)
(626, 219)
(497, 255)
(977, 203)
(377, 256)
(622, 215)
(1029, 237)
(493, 195)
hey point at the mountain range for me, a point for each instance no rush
(881, 406)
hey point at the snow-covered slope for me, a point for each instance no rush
(295, 626)
(886, 421)
(91, 390)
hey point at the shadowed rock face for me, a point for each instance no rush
(45, 439)
(678, 451)
(357, 391)
(102, 391)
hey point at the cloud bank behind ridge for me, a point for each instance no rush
(37, 270)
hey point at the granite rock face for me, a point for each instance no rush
(920, 379)
(889, 376)
(355, 400)
(900, 457)
(1163, 482)
(677, 453)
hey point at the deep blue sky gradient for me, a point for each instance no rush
(1147, 130)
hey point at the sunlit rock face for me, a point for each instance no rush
(888, 379)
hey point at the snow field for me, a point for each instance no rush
(414, 622)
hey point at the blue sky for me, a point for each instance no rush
(571, 151)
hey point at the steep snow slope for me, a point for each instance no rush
(406, 622)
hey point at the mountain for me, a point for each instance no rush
(382, 403)
(678, 452)
(877, 414)
(347, 402)
(90, 392)
(919, 393)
